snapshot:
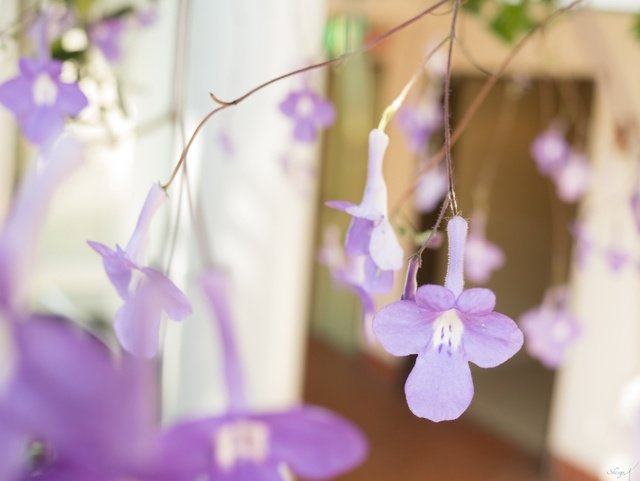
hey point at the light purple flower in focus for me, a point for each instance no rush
(572, 178)
(309, 112)
(481, 257)
(419, 121)
(431, 189)
(550, 150)
(146, 292)
(550, 330)
(447, 327)
(40, 101)
(242, 445)
(370, 233)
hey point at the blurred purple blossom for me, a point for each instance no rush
(419, 121)
(51, 24)
(106, 35)
(40, 101)
(241, 445)
(550, 150)
(431, 188)
(26, 215)
(550, 329)
(146, 292)
(617, 258)
(309, 112)
(447, 327)
(482, 257)
(370, 232)
(572, 178)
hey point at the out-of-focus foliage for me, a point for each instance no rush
(636, 25)
(343, 33)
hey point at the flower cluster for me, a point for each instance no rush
(569, 170)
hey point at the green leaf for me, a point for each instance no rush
(473, 6)
(636, 25)
(511, 21)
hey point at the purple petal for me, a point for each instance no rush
(476, 301)
(215, 286)
(117, 266)
(289, 104)
(168, 297)
(432, 187)
(435, 298)
(16, 95)
(305, 130)
(411, 279)
(70, 100)
(457, 235)
(550, 151)
(490, 339)
(572, 179)
(358, 237)
(439, 387)
(339, 204)
(377, 281)
(384, 247)
(315, 443)
(41, 124)
(374, 200)
(403, 328)
(138, 241)
(137, 322)
(324, 113)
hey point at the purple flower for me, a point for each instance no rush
(572, 178)
(350, 272)
(26, 215)
(106, 35)
(550, 150)
(370, 233)
(246, 446)
(309, 112)
(447, 327)
(616, 258)
(432, 187)
(550, 330)
(481, 257)
(146, 292)
(418, 122)
(92, 416)
(310, 441)
(39, 100)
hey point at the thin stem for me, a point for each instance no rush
(482, 95)
(391, 110)
(447, 107)
(434, 229)
(222, 104)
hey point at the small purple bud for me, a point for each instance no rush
(411, 281)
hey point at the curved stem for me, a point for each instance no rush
(226, 104)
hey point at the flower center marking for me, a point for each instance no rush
(305, 106)
(241, 441)
(447, 331)
(45, 91)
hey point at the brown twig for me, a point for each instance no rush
(222, 104)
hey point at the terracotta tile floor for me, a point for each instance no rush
(404, 448)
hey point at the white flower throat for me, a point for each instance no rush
(447, 332)
(45, 91)
(243, 440)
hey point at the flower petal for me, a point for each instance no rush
(324, 113)
(70, 99)
(117, 266)
(314, 442)
(490, 339)
(377, 281)
(384, 247)
(305, 130)
(339, 204)
(439, 387)
(137, 322)
(289, 104)
(403, 328)
(476, 301)
(16, 95)
(136, 246)
(168, 297)
(435, 298)
(41, 124)
(358, 237)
